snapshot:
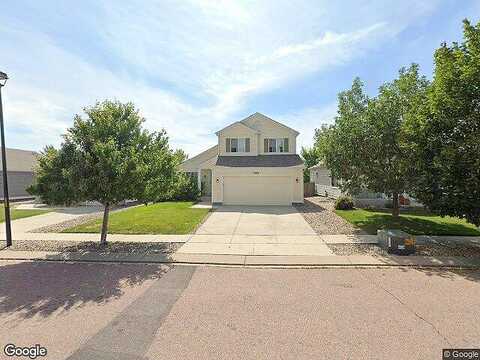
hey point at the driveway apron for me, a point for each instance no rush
(255, 230)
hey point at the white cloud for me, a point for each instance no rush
(190, 67)
(307, 120)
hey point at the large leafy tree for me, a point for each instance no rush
(111, 158)
(366, 148)
(321, 140)
(345, 154)
(446, 141)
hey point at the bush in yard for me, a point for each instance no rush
(185, 188)
(344, 203)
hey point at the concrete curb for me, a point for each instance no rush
(247, 261)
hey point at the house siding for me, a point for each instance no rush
(18, 182)
(238, 131)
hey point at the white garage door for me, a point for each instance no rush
(257, 190)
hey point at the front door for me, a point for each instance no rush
(206, 182)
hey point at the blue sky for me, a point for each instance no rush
(195, 66)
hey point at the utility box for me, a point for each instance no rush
(396, 241)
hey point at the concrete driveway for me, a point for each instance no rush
(255, 230)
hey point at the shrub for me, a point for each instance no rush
(185, 188)
(344, 203)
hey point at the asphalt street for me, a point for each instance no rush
(119, 311)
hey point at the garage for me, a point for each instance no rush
(257, 190)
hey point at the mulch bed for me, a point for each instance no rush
(78, 246)
(430, 249)
(318, 212)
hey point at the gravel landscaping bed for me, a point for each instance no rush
(80, 246)
(318, 212)
(55, 228)
(430, 249)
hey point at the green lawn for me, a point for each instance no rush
(417, 222)
(18, 214)
(161, 218)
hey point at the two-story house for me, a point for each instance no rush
(254, 163)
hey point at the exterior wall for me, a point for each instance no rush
(20, 160)
(238, 131)
(294, 173)
(269, 130)
(18, 181)
(321, 176)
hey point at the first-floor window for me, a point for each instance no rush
(237, 145)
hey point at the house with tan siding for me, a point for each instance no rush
(255, 162)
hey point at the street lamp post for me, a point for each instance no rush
(6, 200)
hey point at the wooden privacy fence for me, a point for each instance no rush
(308, 189)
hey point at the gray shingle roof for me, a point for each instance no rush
(286, 160)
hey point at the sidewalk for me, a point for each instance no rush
(28, 224)
(222, 239)
(96, 237)
(246, 260)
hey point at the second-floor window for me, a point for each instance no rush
(237, 145)
(275, 145)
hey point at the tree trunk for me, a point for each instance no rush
(396, 206)
(103, 236)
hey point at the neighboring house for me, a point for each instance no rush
(255, 162)
(327, 185)
(20, 165)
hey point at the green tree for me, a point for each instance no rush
(345, 156)
(180, 156)
(185, 186)
(321, 140)
(367, 147)
(311, 158)
(53, 182)
(161, 168)
(111, 158)
(446, 140)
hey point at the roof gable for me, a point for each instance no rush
(237, 123)
(255, 122)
